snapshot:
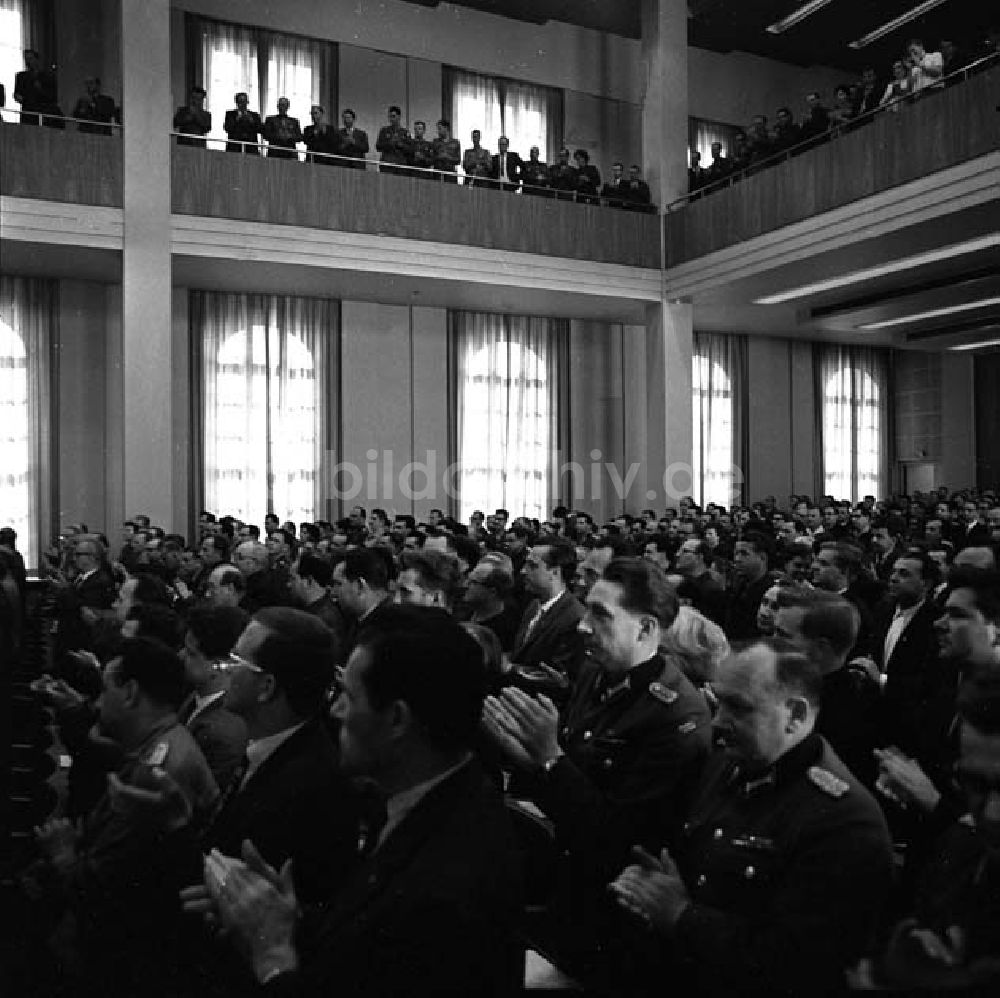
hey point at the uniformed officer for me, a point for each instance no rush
(119, 874)
(618, 767)
(784, 861)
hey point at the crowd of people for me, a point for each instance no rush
(746, 749)
(855, 103)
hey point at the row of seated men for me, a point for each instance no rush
(399, 150)
(760, 863)
(917, 71)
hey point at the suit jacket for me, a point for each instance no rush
(554, 639)
(246, 128)
(433, 911)
(298, 805)
(912, 675)
(513, 167)
(281, 133)
(741, 615)
(353, 145)
(100, 109)
(221, 735)
(327, 141)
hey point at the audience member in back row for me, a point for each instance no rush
(770, 853)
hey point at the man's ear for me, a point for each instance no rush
(268, 688)
(798, 712)
(400, 717)
(131, 690)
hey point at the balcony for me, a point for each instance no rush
(60, 164)
(942, 129)
(287, 192)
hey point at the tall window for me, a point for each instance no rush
(528, 115)
(265, 387)
(853, 384)
(716, 381)
(11, 46)
(702, 133)
(27, 310)
(506, 410)
(265, 65)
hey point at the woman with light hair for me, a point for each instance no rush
(698, 644)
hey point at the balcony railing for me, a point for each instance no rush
(61, 161)
(912, 137)
(408, 202)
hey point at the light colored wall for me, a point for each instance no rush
(769, 461)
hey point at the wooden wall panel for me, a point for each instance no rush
(60, 165)
(942, 130)
(288, 192)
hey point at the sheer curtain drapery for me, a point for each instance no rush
(528, 115)
(228, 58)
(28, 311)
(12, 42)
(507, 410)
(852, 388)
(702, 133)
(266, 369)
(718, 418)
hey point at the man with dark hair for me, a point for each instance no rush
(907, 651)
(950, 941)
(282, 133)
(360, 585)
(838, 568)
(119, 880)
(214, 551)
(706, 594)
(243, 126)
(824, 626)
(547, 634)
(505, 167)
(750, 563)
(309, 584)
(192, 119)
(353, 141)
(221, 735)
(393, 142)
(427, 578)
(784, 861)
(95, 107)
(447, 151)
(617, 766)
(290, 800)
(435, 907)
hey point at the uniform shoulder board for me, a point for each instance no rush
(687, 727)
(663, 693)
(827, 782)
(158, 754)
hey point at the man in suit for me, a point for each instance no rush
(700, 586)
(548, 632)
(638, 189)
(720, 166)
(309, 585)
(615, 191)
(434, 908)
(242, 125)
(221, 735)
(750, 563)
(393, 142)
(836, 568)
(193, 120)
(353, 141)
(96, 107)
(534, 173)
(321, 137)
(289, 799)
(505, 166)
(907, 649)
(35, 89)
(360, 586)
(282, 132)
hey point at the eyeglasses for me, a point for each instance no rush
(234, 661)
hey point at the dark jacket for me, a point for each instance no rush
(554, 640)
(513, 167)
(242, 128)
(434, 910)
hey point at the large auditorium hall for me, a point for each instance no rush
(499, 496)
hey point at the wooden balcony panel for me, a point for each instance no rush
(287, 192)
(940, 130)
(53, 164)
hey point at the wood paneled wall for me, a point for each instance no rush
(60, 165)
(226, 185)
(940, 130)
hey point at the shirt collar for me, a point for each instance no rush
(399, 805)
(261, 749)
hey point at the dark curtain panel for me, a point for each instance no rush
(196, 445)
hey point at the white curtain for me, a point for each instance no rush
(702, 133)
(507, 410)
(230, 61)
(717, 421)
(853, 385)
(12, 41)
(295, 71)
(475, 104)
(265, 392)
(27, 310)
(525, 118)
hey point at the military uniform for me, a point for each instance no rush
(422, 155)
(634, 751)
(393, 143)
(447, 156)
(787, 872)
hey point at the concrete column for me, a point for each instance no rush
(669, 348)
(665, 101)
(147, 345)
